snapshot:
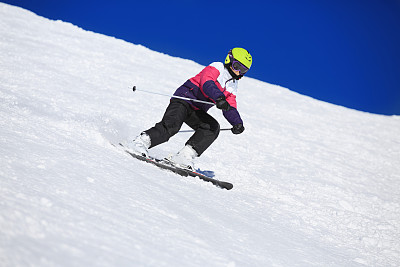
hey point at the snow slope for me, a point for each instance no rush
(314, 184)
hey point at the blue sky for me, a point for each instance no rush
(345, 52)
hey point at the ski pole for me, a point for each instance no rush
(190, 131)
(174, 96)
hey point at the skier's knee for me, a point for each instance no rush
(171, 128)
(215, 128)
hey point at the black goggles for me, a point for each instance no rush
(237, 66)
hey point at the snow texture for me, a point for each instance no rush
(315, 184)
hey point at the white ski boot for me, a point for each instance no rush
(184, 158)
(140, 145)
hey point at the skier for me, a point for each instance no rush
(216, 83)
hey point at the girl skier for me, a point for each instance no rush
(216, 83)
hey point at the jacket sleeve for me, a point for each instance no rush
(231, 98)
(208, 77)
(233, 116)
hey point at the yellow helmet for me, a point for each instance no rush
(241, 55)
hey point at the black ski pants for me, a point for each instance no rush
(178, 112)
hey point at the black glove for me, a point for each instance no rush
(237, 129)
(221, 103)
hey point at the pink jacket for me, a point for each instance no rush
(211, 83)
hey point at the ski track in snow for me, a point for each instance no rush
(314, 184)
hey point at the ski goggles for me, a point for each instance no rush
(237, 66)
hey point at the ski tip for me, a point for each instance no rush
(226, 185)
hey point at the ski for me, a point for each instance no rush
(162, 164)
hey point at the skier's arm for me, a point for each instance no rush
(232, 115)
(208, 77)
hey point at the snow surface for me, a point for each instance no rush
(315, 184)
